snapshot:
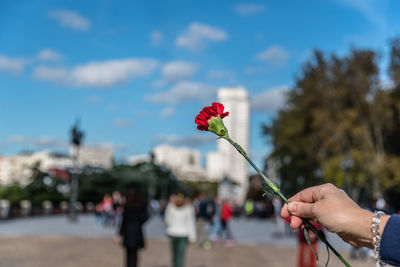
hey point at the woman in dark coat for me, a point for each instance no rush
(131, 233)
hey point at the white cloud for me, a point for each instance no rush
(123, 123)
(112, 72)
(167, 112)
(49, 55)
(156, 37)
(179, 70)
(54, 74)
(14, 65)
(373, 10)
(184, 91)
(193, 140)
(245, 9)
(98, 74)
(198, 35)
(275, 55)
(70, 19)
(271, 100)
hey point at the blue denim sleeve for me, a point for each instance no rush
(390, 242)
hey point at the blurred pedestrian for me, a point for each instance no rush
(131, 233)
(216, 221)
(181, 228)
(248, 208)
(107, 207)
(202, 207)
(98, 212)
(277, 204)
(117, 208)
(155, 207)
(306, 257)
(226, 215)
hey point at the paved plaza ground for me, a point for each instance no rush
(52, 241)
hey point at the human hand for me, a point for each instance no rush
(333, 209)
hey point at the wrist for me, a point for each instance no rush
(364, 229)
(377, 227)
(363, 225)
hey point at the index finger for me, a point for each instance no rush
(308, 195)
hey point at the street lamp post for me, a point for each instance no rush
(151, 187)
(76, 140)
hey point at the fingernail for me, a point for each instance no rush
(291, 207)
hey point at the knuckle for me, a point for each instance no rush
(314, 210)
(328, 188)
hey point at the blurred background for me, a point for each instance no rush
(97, 96)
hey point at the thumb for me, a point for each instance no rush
(301, 209)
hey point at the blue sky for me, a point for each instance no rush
(136, 73)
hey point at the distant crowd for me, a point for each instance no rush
(202, 221)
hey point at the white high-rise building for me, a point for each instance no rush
(226, 161)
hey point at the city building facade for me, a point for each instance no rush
(93, 156)
(18, 168)
(226, 161)
(185, 163)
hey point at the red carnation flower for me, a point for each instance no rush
(210, 119)
(202, 120)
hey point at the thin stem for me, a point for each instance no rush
(277, 191)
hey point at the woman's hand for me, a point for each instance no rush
(333, 209)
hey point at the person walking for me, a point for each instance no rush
(306, 257)
(107, 207)
(204, 209)
(133, 217)
(216, 221)
(117, 208)
(181, 227)
(226, 215)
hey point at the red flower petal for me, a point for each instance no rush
(210, 111)
(200, 120)
(223, 115)
(201, 116)
(205, 113)
(202, 128)
(218, 107)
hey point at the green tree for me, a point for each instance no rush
(337, 125)
(14, 193)
(148, 176)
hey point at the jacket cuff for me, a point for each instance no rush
(390, 242)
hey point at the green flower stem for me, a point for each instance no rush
(277, 191)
